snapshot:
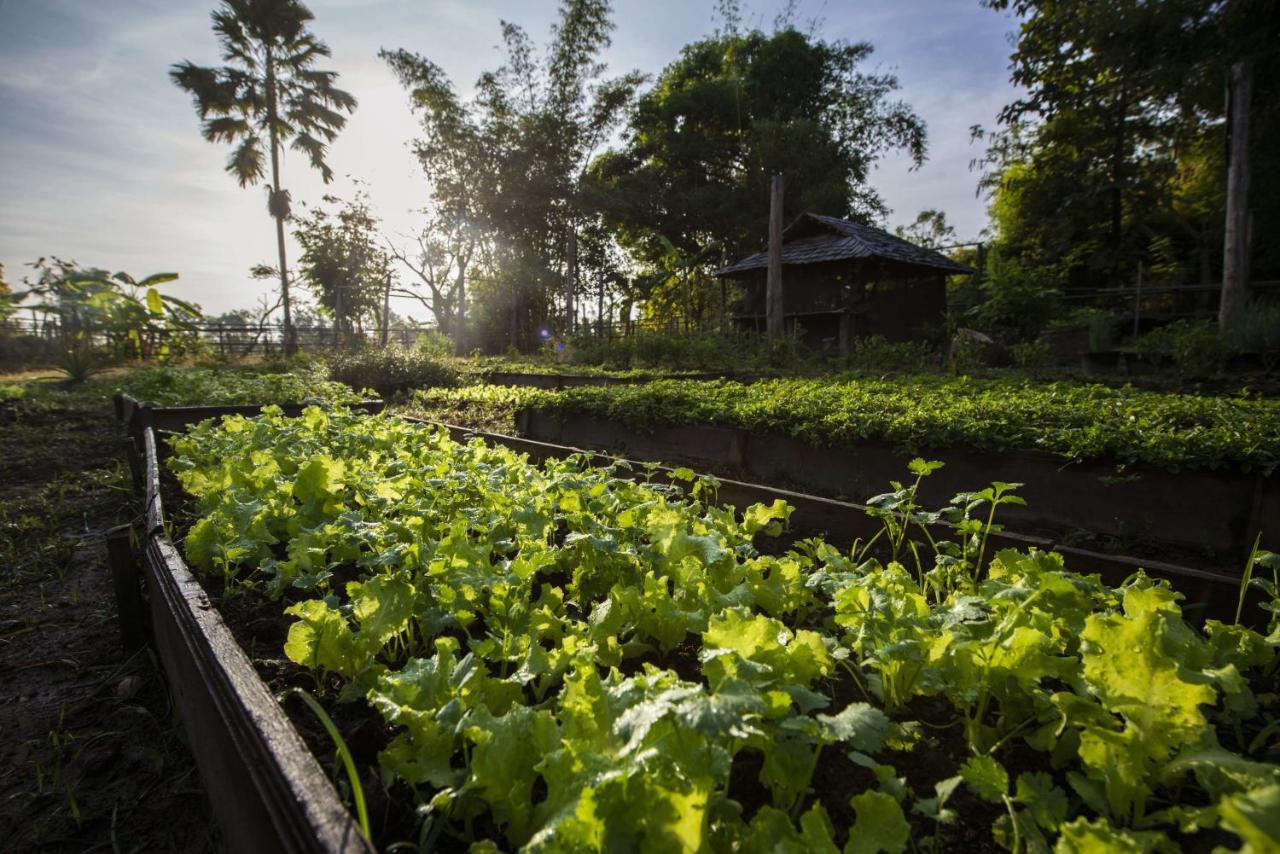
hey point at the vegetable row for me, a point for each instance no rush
(923, 412)
(569, 658)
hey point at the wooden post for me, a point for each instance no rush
(1235, 254)
(124, 574)
(773, 284)
(570, 278)
(386, 312)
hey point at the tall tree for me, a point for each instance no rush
(732, 111)
(509, 163)
(269, 93)
(343, 261)
(1114, 153)
(445, 249)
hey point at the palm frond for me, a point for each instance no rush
(315, 150)
(246, 162)
(225, 129)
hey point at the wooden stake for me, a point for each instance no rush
(773, 284)
(124, 574)
(570, 277)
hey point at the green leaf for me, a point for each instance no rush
(321, 638)
(1254, 817)
(859, 725)
(879, 826)
(986, 778)
(154, 304)
(1099, 837)
(319, 479)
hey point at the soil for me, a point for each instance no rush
(92, 755)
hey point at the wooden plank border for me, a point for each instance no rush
(267, 789)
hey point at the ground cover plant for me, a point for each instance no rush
(225, 386)
(1077, 421)
(565, 658)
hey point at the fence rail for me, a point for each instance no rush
(25, 338)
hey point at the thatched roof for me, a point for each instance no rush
(815, 239)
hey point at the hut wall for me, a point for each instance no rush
(902, 303)
(896, 301)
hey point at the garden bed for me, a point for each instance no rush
(1198, 510)
(267, 790)
(834, 780)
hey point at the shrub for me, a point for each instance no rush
(691, 351)
(393, 371)
(1033, 356)
(1196, 347)
(877, 354)
(1257, 329)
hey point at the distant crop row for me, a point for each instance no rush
(169, 386)
(921, 413)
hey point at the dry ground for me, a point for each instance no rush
(92, 755)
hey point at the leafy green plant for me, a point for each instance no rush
(1196, 348)
(1032, 356)
(1075, 420)
(876, 354)
(552, 645)
(172, 386)
(394, 370)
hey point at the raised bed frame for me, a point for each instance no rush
(1191, 509)
(267, 789)
(529, 379)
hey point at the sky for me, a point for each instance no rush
(101, 158)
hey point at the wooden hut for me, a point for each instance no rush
(842, 280)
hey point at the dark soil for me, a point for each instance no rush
(92, 756)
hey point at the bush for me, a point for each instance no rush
(1257, 329)
(393, 371)
(1033, 356)
(1196, 347)
(877, 354)
(690, 351)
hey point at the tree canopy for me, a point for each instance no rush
(508, 163)
(1115, 153)
(735, 109)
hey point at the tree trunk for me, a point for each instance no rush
(515, 316)
(337, 317)
(600, 309)
(1235, 254)
(773, 284)
(290, 342)
(570, 279)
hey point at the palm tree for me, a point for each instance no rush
(268, 88)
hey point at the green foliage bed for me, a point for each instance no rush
(923, 412)
(171, 386)
(568, 660)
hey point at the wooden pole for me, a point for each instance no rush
(386, 312)
(570, 279)
(1235, 254)
(773, 284)
(124, 574)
